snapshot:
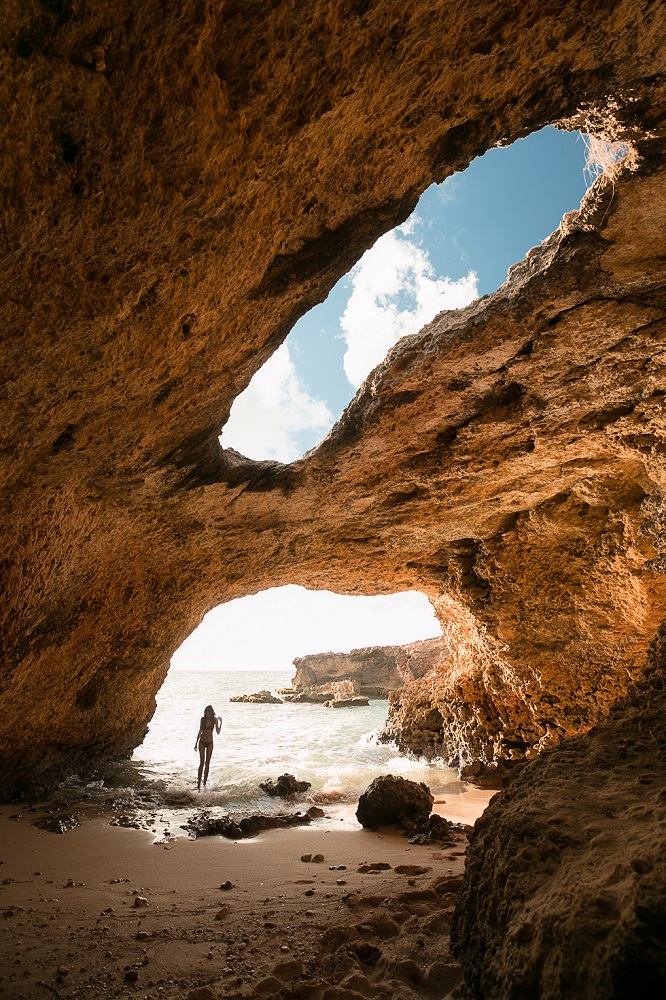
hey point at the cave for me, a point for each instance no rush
(178, 188)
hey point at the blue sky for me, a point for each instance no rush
(459, 243)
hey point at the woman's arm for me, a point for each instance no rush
(218, 723)
(196, 745)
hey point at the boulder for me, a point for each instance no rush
(284, 787)
(392, 799)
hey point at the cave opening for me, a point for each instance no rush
(458, 244)
(259, 645)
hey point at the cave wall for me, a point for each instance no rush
(178, 183)
(564, 895)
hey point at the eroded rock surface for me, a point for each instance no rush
(564, 896)
(376, 669)
(177, 188)
(393, 799)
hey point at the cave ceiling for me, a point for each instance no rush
(179, 183)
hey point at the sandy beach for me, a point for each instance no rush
(103, 911)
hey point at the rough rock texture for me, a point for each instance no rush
(204, 825)
(319, 693)
(564, 895)
(355, 701)
(392, 799)
(259, 698)
(171, 207)
(377, 669)
(285, 787)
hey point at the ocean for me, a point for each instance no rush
(336, 750)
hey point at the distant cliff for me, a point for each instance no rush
(378, 669)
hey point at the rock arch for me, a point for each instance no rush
(172, 204)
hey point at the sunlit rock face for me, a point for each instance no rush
(178, 185)
(377, 669)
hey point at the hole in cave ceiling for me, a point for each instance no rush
(458, 244)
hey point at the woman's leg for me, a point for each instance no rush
(202, 754)
(209, 754)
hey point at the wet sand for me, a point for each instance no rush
(103, 911)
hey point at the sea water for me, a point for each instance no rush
(336, 750)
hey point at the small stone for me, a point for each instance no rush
(36, 873)
(304, 857)
(141, 935)
(63, 970)
(131, 975)
(340, 881)
(309, 892)
(227, 885)
(317, 859)
(140, 901)
(309, 913)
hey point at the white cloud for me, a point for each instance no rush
(395, 292)
(266, 418)
(266, 631)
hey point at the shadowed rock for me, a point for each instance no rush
(284, 787)
(392, 799)
(204, 825)
(564, 894)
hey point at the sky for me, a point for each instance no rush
(457, 245)
(295, 621)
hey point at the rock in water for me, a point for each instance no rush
(392, 799)
(357, 700)
(284, 787)
(260, 698)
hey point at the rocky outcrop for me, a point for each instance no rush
(354, 701)
(204, 825)
(564, 895)
(260, 698)
(393, 799)
(375, 669)
(171, 208)
(284, 787)
(318, 694)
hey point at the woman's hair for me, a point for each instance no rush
(209, 708)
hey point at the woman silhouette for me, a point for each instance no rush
(209, 722)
